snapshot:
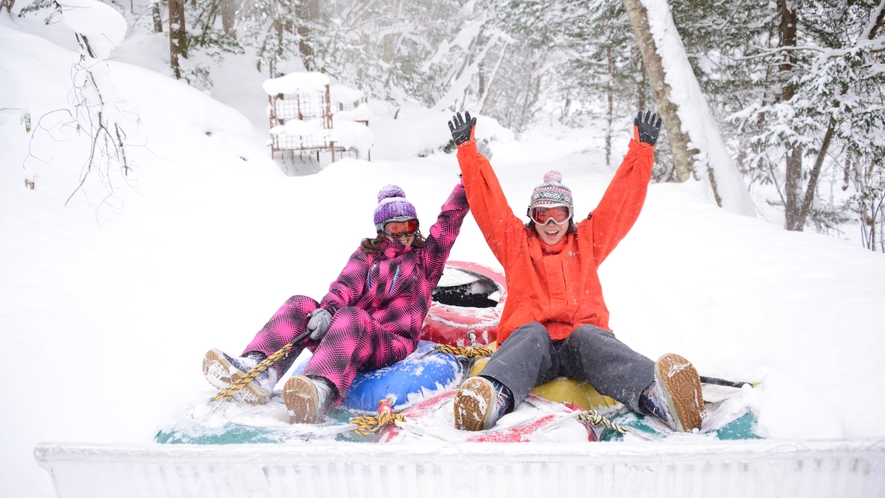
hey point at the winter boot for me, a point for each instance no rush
(221, 370)
(479, 404)
(675, 397)
(307, 399)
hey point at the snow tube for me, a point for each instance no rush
(726, 427)
(535, 420)
(420, 375)
(563, 390)
(423, 374)
(466, 305)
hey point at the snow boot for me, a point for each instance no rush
(221, 370)
(479, 404)
(675, 397)
(307, 399)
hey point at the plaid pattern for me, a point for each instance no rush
(378, 305)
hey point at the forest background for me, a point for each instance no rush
(794, 86)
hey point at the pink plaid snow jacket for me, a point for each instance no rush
(394, 286)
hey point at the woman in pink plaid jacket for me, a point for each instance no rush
(371, 317)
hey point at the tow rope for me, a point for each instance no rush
(370, 424)
(244, 381)
(593, 417)
(470, 352)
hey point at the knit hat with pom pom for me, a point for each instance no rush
(392, 206)
(552, 192)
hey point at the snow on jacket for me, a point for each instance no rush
(395, 285)
(557, 286)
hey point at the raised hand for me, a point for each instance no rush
(484, 149)
(462, 129)
(647, 128)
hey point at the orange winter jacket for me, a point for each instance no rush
(557, 286)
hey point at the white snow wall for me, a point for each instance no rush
(694, 112)
(753, 468)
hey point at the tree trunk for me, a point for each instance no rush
(177, 36)
(485, 95)
(277, 27)
(700, 128)
(157, 17)
(610, 110)
(643, 83)
(229, 17)
(683, 157)
(793, 184)
(7, 4)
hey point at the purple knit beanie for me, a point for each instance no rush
(392, 206)
(552, 192)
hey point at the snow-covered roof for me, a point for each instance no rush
(295, 83)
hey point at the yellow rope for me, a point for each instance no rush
(471, 352)
(243, 381)
(369, 424)
(593, 417)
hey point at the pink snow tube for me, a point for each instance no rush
(467, 305)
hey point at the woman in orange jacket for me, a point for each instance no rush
(555, 322)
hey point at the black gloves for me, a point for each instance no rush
(462, 129)
(646, 129)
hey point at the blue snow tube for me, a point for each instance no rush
(419, 376)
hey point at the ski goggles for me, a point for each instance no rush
(398, 229)
(543, 215)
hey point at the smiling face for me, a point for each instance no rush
(551, 223)
(405, 240)
(551, 233)
(402, 230)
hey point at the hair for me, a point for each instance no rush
(373, 245)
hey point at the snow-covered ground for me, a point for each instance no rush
(108, 301)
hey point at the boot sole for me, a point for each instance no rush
(221, 373)
(682, 388)
(300, 396)
(473, 403)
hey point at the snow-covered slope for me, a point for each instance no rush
(108, 302)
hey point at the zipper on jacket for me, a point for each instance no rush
(395, 276)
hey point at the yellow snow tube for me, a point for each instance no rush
(562, 390)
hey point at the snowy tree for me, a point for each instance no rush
(694, 135)
(819, 109)
(95, 115)
(400, 49)
(271, 28)
(571, 52)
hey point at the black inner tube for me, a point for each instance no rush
(471, 295)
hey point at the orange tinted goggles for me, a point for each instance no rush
(401, 228)
(559, 214)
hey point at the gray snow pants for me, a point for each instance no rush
(529, 358)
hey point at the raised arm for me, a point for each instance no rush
(441, 236)
(622, 202)
(501, 228)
